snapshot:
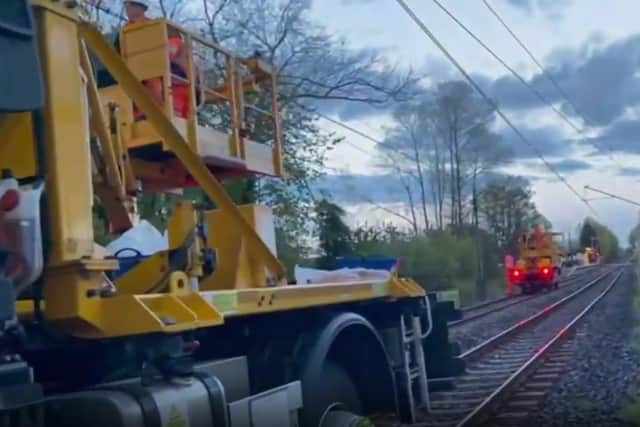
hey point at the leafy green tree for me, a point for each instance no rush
(508, 209)
(602, 238)
(588, 234)
(333, 233)
(634, 236)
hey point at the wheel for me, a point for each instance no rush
(334, 399)
(556, 285)
(336, 416)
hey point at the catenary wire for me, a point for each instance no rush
(482, 93)
(544, 72)
(521, 79)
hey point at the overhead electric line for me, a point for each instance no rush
(348, 127)
(612, 196)
(533, 58)
(543, 70)
(477, 87)
(522, 80)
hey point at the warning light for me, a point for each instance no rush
(515, 274)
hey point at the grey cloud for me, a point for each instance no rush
(548, 140)
(551, 8)
(346, 110)
(563, 166)
(569, 166)
(601, 81)
(353, 189)
(622, 136)
(628, 171)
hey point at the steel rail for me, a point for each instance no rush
(530, 321)
(568, 281)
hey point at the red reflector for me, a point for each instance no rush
(9, 200)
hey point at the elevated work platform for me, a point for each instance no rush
(209, 95)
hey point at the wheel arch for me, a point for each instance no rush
(352, 341)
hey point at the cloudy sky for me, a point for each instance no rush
(591, 47)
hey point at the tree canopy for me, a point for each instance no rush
(508, 209)
(601, 237)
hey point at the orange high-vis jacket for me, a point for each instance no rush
(180, 87)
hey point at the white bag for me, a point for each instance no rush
(144, 238)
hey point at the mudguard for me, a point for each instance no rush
(352, 341)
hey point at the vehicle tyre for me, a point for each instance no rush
(338, 417)
(334, 390)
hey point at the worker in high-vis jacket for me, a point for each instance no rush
(136, 12)
(180, 86)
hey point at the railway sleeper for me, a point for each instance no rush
(485, 371)
(437, 405)
(538, 385)
(520, 404)
(497, 364)
(463, 393)
(527, 395)
(544, 377)
(550, 370)
(480, 381)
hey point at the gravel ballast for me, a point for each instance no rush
(604, 370)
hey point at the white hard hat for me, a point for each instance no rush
(143, 3)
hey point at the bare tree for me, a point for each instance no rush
(213, 12)
(406, 144)
(312, 64)
(484, 152)
(455, 110)
(172, 9)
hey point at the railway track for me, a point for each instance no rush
(508, 374)
(487, 308)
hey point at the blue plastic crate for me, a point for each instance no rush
(368, 263)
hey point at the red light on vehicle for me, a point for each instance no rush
(545, 271)
(515, 275)
(9, 200)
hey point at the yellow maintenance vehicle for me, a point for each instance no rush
(591, 256)
(207, 331)
(539, 262)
